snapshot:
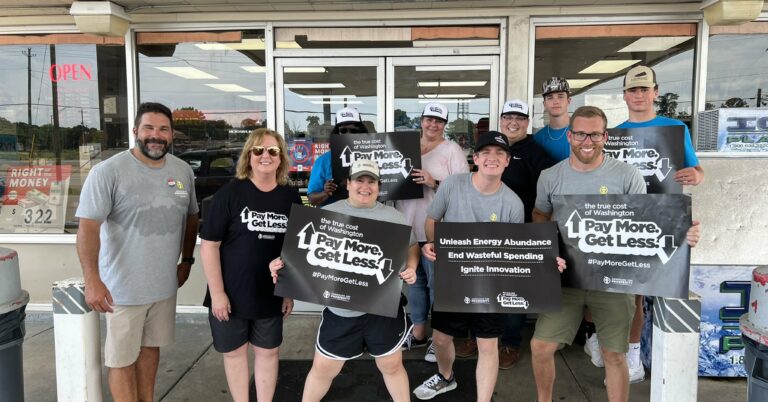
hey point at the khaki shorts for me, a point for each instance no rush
(611, 312)
(131, 327)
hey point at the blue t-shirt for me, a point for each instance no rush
(690, 155)
(321, 172)
(554, 141)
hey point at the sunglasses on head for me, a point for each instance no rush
(258, 150)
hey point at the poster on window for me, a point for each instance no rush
(742, 130)
(302, 154)
(396, 153)
(34, 199)
(657, 152)
(343, 261)
(496, 267)
(632, 243)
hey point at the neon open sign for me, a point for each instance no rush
(74, 72)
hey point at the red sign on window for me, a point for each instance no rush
(74, 72)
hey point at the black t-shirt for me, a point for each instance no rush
(527, 161)
(250, 224)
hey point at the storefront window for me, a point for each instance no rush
(594, 60)
(62, 110)
(215, 84)
(737, 67)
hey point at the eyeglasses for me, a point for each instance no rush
(273, 150)
(581, 136)
(348, 130)
(514, 117)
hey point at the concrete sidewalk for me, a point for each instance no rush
(190, 370)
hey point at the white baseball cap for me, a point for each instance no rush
(515, 106)
(364, 167)
(436, 109)
(347, 115)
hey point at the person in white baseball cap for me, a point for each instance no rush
(321, 189)
(440, 158)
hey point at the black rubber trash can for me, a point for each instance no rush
(11, 355)
(756, 363)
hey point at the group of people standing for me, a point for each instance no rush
(142, 203)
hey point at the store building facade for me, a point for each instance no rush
(67, 98)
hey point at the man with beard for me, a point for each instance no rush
(138, 214)
(587, 171)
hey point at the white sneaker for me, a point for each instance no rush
(636, 371)
(592, 349)
(433, 387)
(430, 355)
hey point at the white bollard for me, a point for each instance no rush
(675, 352)
(78, 343)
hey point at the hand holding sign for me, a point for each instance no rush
(275, 266)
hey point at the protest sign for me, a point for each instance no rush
(343, 261)
(657, 152)
(626, 243)
(496, 267)
(396, 153)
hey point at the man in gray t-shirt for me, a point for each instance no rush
(138, 214)
(587, 171)
(470, 197)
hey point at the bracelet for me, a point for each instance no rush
(437, 183)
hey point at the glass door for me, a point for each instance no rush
(310, 91)
(468, 86)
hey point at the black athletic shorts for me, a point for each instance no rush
(345, 338)
(458, 325)
(266, 333)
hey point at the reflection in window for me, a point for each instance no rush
(594, 60)
(737, 68)
(62, 110)
(215, 84)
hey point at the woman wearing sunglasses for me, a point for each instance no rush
(321, 189)
(242, 232)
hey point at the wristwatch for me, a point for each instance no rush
(190, 260)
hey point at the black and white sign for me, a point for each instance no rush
(396, 153)
(496, 267)
(626, 243)
(343, 261)
(658, 152)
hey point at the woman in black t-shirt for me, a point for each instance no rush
(243, 230)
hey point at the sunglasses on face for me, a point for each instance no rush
(514, 117)
(581, 136)
(258, 150)
(348, 130)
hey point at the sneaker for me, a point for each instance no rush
(466, 348)
(430, 355)
(434, 386)
(508, 357)
(592, 349)
(412, 343)
(636, 371)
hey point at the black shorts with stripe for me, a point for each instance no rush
(345, 338)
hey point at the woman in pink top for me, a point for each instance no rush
(440, 158)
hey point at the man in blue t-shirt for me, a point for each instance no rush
(557, 97)
(640, 90)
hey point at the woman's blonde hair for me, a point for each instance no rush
(257, 138)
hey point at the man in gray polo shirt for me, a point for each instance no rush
(138, 214)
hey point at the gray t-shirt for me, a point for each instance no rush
(611, 177)
(379, 212)
(457, 200)
(144, 212)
